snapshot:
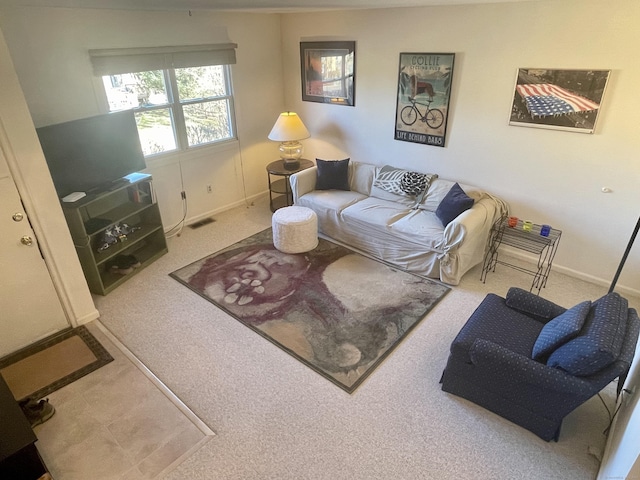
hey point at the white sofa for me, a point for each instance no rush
(392, 228)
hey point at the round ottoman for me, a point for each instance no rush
(295, 229)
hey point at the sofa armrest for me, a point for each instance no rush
(532, 305)
(513, 367)
(303, 182)
(465, 238)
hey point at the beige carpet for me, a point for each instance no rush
(275, 418)
(43, 368)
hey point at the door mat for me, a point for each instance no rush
(338, 312)
(42, 368)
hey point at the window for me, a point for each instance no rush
(181, 94)
(175, 108)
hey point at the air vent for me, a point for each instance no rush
(202, 223)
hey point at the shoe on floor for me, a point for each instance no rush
(37, 412)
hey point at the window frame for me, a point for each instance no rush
(176, 111)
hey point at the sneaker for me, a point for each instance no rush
(37, 412)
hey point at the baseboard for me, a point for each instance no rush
(248, 201)
(622, 289)
(89, 317)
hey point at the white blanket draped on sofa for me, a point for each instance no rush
(392, 228)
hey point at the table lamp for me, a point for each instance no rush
(289, 129)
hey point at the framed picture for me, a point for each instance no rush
(424, 91)
(558, 99)
(328, 72)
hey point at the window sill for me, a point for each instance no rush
(177, 156)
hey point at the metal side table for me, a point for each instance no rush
(544, 247)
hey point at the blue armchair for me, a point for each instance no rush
(533, 362)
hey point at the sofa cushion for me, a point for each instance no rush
(600, 341)
(453, 204)
(421, 227)
(561, 329)
(362, 175)
(493, 320)
(374, 213)
(326, 202)
(332, 174)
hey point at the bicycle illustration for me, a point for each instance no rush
(432, 116)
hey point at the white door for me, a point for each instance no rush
(29, 306)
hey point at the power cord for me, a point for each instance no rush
(612, 417)
(185, 208)
(244, 184)
(180, 224)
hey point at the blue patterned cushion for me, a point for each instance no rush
(332, 174)
(453, 204)
(561, 329)
(600, 341)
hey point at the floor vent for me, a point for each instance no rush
(202, 223)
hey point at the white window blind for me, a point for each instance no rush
(115, 61)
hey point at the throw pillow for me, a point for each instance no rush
(453, 204)
(402, 182)
(332, 174)
(561, 329)
(600, 341)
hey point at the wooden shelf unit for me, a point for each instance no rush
(130, 202)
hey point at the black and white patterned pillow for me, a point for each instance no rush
(403, 182)
(413, 183)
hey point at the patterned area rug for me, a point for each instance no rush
(338, 312)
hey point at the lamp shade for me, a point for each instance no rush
(288, 127)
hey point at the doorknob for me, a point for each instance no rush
(17, 217)
(26, 240)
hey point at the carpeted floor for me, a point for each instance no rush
(48, 365)
(338, 312)
(275, 418)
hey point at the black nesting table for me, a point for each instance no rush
(544, 247)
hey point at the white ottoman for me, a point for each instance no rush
(295, 229)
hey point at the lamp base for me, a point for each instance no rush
(291, 163)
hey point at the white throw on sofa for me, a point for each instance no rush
(403, 230)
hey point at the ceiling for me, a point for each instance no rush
(270, 6)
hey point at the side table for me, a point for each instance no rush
(280, 194)
(530, 241)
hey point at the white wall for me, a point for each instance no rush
(546, 176)
(623, 442)
(50, 46)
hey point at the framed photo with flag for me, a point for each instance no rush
(558, 99)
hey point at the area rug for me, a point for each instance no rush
(46, 366)
(337, 311)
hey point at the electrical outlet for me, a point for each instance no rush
(209, 190)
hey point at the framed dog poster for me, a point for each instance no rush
(558, 99)
(424, 91)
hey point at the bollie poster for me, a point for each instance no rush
(424, 90)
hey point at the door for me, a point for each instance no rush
(29, 305)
